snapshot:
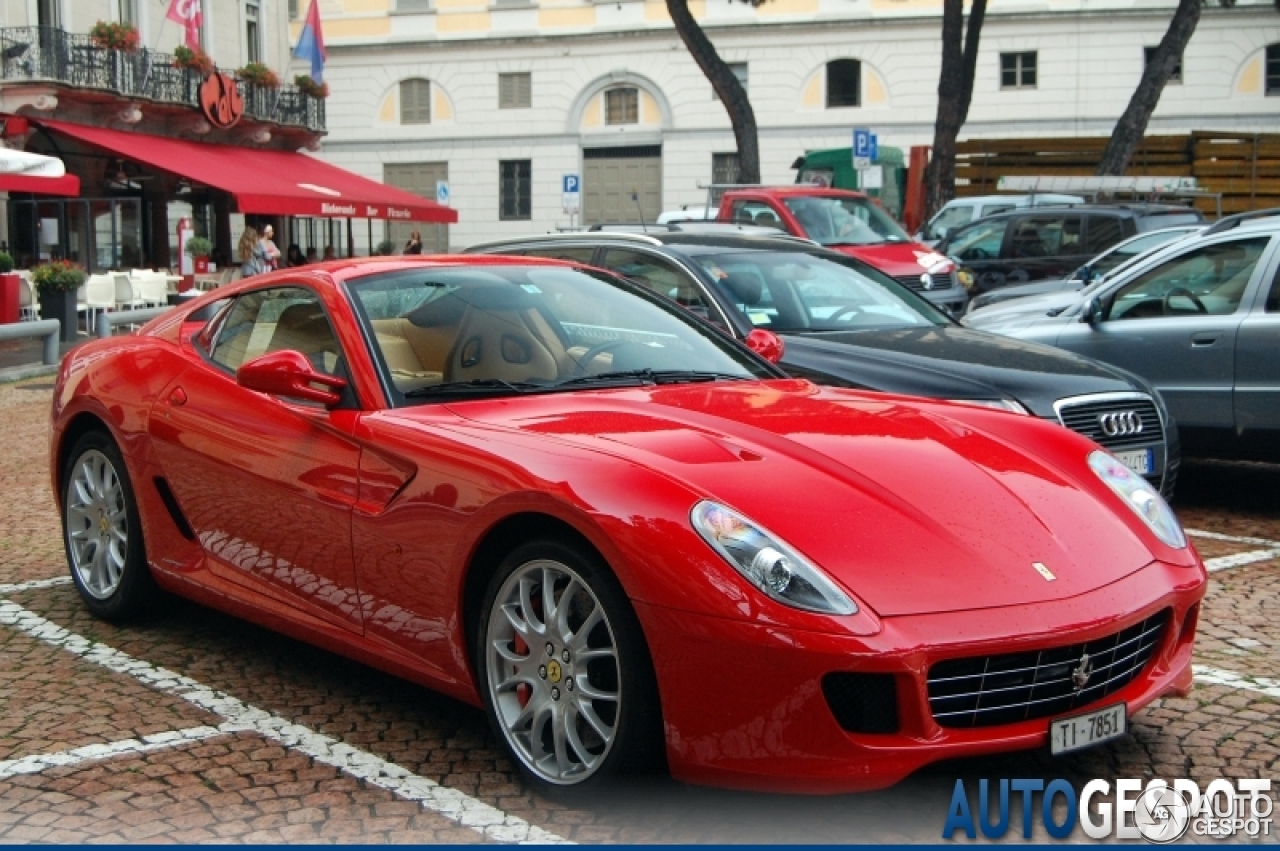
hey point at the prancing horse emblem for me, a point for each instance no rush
(1080, 676)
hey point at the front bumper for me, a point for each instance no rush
(744, 705)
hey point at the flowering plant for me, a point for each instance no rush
(308, 86)
(197, 60)
(115, 36)
(259, 75)
(57, 276)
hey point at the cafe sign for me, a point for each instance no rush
(220, 100)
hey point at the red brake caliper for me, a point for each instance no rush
(524, 691)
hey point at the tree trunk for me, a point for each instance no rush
(955, 91)
(1132, 125)
(726, 85)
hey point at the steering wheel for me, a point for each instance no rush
(596, 351)
(850, 309)
(1190, 296)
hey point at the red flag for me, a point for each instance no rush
(188, 14)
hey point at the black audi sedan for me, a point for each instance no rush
(844, 323)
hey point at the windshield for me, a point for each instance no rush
(795, 292)
(1119, 257)
(845, 221)
(498, 330)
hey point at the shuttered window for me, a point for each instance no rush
(622, 106)
(415, 102)
(515, 90)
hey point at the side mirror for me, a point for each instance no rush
(1093, 311)
(766, 344)
(1084, 275)
(288, 373)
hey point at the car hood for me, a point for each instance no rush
(1018, 291)
(908, 506)
(898, 259)
(948, 362)
(1023, 310)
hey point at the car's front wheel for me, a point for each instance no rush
(564, 670)
(101, 530)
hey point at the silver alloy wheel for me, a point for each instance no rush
(97, 526)
(554, 674)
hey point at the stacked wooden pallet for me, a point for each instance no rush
(1245, 168)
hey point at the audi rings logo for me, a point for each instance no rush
(1121, 423)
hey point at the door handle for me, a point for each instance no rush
(178, 397)
(1204, 339)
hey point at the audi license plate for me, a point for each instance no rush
(1140, 461)
(1082, 731)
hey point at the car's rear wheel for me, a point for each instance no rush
(101, 530)
(564, 670)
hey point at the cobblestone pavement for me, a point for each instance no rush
(196, 727)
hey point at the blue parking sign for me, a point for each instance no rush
(571, 184)
(862, 143)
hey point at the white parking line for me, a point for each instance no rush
(487, 820)
(33, 585)
(1239, 559)
(1219, 677)
(1235, 539)
(89, 753)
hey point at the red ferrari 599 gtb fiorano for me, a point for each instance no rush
(544, 490)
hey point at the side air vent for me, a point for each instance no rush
(175, 513)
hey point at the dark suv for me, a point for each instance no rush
(1051, 242)
(845, 323)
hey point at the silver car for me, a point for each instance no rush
(1199, 318)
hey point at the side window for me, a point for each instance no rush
(660, 276)
(1046, 236)
(980, 241)
(992, 209)
(274, 320)
(1273, 298)
(1104, 232)
(755, 212)
(1209, 280)
(948, 220)
(561, 252)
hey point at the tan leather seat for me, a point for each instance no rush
(500, 344)
(304, 328)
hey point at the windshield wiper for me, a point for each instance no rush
(634, 377)
(476, 386)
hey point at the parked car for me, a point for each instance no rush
(1051, 242)
(687, 213)
(851, 223)
(1112, 261)
(1199, 318)
(959, 212)
(847, 324)
(546, 491)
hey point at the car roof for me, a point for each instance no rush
(797, 189)
(654, 237)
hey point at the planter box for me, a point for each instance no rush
(61, 305)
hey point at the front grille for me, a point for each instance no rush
(862, 703)
(1086, 417)
(940, 282)
(988, 690)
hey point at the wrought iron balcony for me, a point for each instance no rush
(49, 54)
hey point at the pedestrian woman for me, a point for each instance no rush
(247, 252)
(271, 254)
(414, 245)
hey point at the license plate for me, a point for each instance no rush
(1140, 461)
(1082, 731)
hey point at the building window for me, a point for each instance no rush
(413, 5)
(622, 106)
(1148, 53)
(844, 83)
(1273, 69)
(739, 70)
(293, 10)
(129, 12)
(515, 91)
(1018, 70)
(49, 13)
(252, 34)
(415, 102)
(513, 200)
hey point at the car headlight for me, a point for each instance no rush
(998, 404)
(1139, 495)
(965, 277)
(767, 562)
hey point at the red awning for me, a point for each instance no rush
(264, 182)
(68, 184)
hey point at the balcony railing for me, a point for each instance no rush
(54, 55)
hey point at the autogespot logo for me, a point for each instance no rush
(1156, 810)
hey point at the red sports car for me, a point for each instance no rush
(544, 490)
